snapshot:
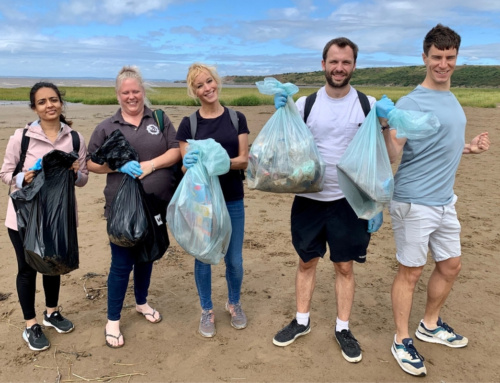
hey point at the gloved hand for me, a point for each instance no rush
(384, 106)
(37, 166)
(132, 168)
(190, 158)
(280, 100)
(375, 223)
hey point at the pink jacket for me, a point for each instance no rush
(39, 146)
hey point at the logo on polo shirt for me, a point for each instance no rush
(153, 129)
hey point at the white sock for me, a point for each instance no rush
(341, 325)
(302, 318)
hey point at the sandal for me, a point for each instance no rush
(113, 336)
(152, 315)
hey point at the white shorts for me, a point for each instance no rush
(419, 228)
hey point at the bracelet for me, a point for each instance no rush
(152, 166)
(385, 127)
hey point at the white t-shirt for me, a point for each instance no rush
(333, 123)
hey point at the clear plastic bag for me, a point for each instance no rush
(364, 171)
(197, 214)
(413, 124)
(284, 157)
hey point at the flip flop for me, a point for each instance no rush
(152, 315)
(113, 336)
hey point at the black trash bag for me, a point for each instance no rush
(127, 219)
(116, 151)
(46, 216)
(156, 241)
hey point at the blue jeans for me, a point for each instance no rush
(233, 260)
(123, 260)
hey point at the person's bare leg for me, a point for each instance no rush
(344, 288)
(305, 282)
(438, 288)
(402, 298)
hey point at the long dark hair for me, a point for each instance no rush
(43, 84)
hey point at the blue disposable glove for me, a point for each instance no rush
(280, 100)
(384, 106)
(132, 168)
(375, 223)
(190, 158)
(37, 166)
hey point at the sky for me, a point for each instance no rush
(95, 38)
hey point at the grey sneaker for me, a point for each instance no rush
(36, 339)
(289, 333)
(408, 357)
(238, 317)
(443, 334)
(207, 324)
(57, 321)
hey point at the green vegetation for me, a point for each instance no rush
(471, 76)
(470, 87)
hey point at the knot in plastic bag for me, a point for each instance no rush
(272, 86)
(212, 156)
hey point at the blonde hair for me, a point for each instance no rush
(194, 70)
(131, 71)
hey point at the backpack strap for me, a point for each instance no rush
(365, 104)
(363, 100)
(25, 141)
(158, 116)
(193, 121)
(76, 141)
(309, 103)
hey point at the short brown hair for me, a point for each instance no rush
(442, 38)
(341, 42)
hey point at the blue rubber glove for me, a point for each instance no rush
(190, 158)
(37, 166)
(280, 100)
(384, 106)
(132, 168)
(375, 223)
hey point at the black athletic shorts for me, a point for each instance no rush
(316, 223)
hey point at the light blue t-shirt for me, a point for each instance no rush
(426, 174)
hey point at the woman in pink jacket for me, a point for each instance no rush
(48, 132)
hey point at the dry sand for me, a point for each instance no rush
(173, 351)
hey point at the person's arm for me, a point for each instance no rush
(170, 157)
(478, 145)
(98, 169)
(394, 145)
(241, 162)
(82, 171)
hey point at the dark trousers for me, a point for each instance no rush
(26, 281)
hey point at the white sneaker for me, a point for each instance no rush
(408, 357)
(443, 334)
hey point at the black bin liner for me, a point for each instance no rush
(46, 216)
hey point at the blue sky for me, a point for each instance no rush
(95, 38)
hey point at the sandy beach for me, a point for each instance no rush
(173, 351)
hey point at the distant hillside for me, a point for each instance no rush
(470, 76)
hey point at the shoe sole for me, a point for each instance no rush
(207, 335)
(347, 357)
(283, 344)
(48, 324)
(430, 339)
(395, 354)
(33, 348)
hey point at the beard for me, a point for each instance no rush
(342, 84)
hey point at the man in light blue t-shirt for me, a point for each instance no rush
(423, 207)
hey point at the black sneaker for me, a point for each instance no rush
(56, 320)
(289, 333)
(349, 346)
(36, 339)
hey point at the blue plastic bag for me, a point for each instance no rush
(364, 171)
(413, 124)
(284, 157)
(197, 214)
